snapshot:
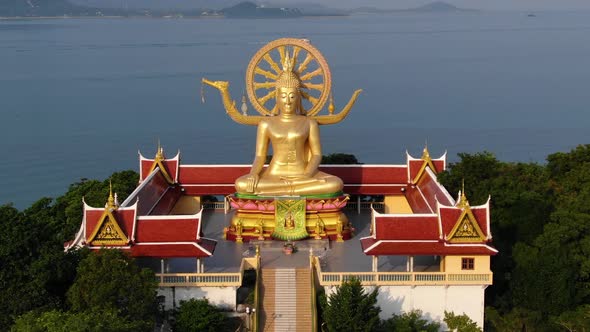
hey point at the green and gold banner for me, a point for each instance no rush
(290, 219)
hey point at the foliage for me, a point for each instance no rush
(36, 272)
(460, 323)
(412, 321)
(575, 320)
(339, 158)
(541, 225)
(88, 321)
(516, 320)
(349, 308)
(110, 280)
(68, 208)
(196, 315)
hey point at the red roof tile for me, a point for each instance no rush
(167, 229)
(382, 247)
(410, 227)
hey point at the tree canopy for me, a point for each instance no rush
(412, 321)
(36, 272)
(350, 308)
(109, 279)
(540, 218)
(197, 315)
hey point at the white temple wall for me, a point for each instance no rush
(431, 300)
(223, 297)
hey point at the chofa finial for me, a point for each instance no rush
(160, 152)
(463, 202)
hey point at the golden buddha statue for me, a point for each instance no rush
(294, 133)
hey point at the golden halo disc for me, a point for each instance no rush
(266, 65)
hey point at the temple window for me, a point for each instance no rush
(467, 263)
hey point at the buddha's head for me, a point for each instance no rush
(288, 89)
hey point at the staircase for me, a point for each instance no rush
(286, 300)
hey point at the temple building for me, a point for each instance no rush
(283, 230)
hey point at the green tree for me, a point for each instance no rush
(516, 320)
(197, 315)
(409, 322)
(339, 158)
(521, 204)
(35, 272)
(110, 280)
(575, 320)
(68, 208)
(349, 308)
(460, 323)
(89, 321)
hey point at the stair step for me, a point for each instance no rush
(287, 298)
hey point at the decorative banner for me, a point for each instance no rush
(290, 219)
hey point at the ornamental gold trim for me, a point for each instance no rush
(107, 231)
(158, 162)
(427, 162)
(466, 229)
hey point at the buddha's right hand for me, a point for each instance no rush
(251, 182)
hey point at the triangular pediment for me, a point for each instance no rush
(159, 163)
(108, 232)
(426, 162)
(466, 229)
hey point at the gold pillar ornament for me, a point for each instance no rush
(239, 231)
(288, 82)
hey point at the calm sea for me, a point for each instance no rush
(80, 97)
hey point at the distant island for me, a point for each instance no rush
(434, 7)
(65, 8)
(245, 9)
(252, 10)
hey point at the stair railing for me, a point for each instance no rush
(314, 309)
(257, 286)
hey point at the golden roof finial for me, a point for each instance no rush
(111, 204)
(159, 152)
(463, 200)
(425, 153)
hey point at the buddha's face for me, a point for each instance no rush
(288, 100)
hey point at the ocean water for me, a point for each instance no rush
(80, 97)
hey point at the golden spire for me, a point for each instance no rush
(160, 152)
(463, 203)
(111, 204)
(425, 153)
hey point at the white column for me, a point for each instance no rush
(375, 263)
(358, 204)
(162, 266)
(198, 265)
